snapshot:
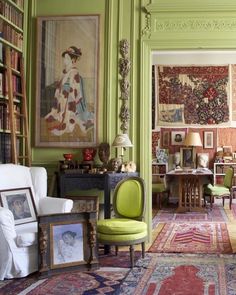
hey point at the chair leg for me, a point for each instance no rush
(160, 197)
(116, 250)
(131, 250)
(143, 249)
(223, 201)
(230, 200)
(211, 197)
(168, 196)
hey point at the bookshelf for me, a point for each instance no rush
(13, 110)
(159, 171)
(220, 169)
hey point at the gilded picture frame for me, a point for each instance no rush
(187, 157)
(67, 242)
(67, 63)
(208, 139)
(21, 203)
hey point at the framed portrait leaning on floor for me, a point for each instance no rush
(67, 241)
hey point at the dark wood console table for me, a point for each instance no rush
(69, 181)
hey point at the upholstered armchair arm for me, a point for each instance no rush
(51, 205)
(7, 239)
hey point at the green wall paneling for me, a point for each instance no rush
(148, 26)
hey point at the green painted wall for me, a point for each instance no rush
(148, 26)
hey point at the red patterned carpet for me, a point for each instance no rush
(188, 274)
(159, 273)
(167, 215)
(72, 283)
(105, 280)
(193, 238)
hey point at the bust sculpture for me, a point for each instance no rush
(104, 153)
(115, 164)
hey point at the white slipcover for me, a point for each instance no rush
(18, 244)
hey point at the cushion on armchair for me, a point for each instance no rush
(7, 223)
(26, 239)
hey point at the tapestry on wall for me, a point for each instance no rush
(192, 94)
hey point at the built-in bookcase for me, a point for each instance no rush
(12, 94)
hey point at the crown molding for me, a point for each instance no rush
(194, 24)
(193, 6)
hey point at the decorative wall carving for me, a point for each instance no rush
(147, 29)
(124, 68)
(192, 25)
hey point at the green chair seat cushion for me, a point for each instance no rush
(119, 239)
(158, 187)
(216, 190)
(121, 226)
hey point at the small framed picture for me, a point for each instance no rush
(162, 155)
(84, 203)
(188, 157)
(208, 139)
(20, 202)
(67, 241)
(227, 149)
(165, 138)
(177, 137)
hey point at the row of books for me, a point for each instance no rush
(11, 13)
(156, 169)
(5, 117)
(16, 86)
(19, 3)
(15, 57)
(5, 148)
(221, 169)
(8, 33)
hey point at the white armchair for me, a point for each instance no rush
(18, 244)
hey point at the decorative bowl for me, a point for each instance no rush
(68, 157)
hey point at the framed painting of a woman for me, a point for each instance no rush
(67, 78)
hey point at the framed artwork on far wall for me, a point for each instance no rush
(162, 155)
(21, 204)
(67, 81)
(208, 140)
(187, 157)
(165, 139)
(177, 137)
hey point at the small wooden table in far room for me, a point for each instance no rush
(190, 187)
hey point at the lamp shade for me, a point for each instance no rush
(122, 140)
(193, 139)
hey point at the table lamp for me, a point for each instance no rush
(193, 140)
(122, 141)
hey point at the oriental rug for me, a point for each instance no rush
(183, 274)
(121, 260)
(187, 93)
(102, 281)
(233, 210)
(169, 215)
(192, 238)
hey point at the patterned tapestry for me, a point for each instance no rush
(192, 94)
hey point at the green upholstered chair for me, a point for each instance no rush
(221, 190)
(158, 190)
(127, 227)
